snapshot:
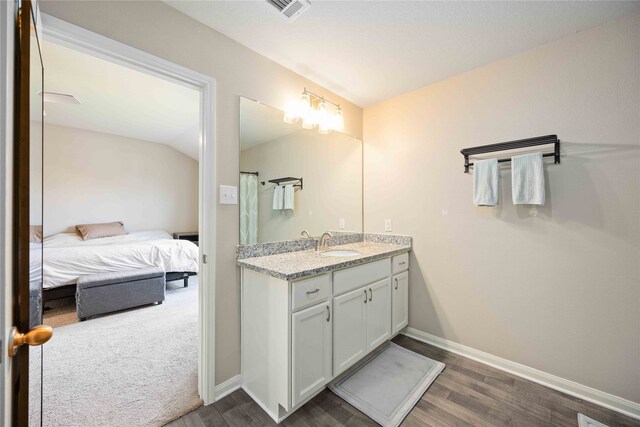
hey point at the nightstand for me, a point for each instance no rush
(191, 236)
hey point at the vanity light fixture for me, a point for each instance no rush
(321, 116)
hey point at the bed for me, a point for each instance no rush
(67, 257)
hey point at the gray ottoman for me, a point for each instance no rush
(108, 292)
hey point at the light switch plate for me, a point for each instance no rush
(228, 195)
(341, 224)
(388, 225)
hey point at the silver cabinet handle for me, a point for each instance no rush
(328, 313)
(365, 296)
(402, 263)
(316, 290)
(396, 279)
(370, 294)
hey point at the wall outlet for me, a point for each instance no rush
(228, 195)
(387, 225)
(341, 224)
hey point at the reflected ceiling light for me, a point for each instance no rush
(323, 119)
(322, 116)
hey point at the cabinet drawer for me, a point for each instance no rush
(400, 263)
(355, 277)
(311, 291)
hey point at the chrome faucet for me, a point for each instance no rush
(305, 234)
(323, 240)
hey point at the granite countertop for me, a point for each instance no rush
(296, 265)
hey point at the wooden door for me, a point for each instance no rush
(378, 313)
(311, 347)
(400, 302)
(27, 222)
(349, 329)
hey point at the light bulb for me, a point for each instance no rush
(290, 117)
(338, 121)
(304, 105)
(291, 113)
(323, 119)
(309, 119)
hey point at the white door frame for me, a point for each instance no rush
(62, 32)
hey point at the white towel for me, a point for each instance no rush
(485, 182)
(278, 199)
(527, 179)
(288, 196)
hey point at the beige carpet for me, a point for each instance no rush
(134, 368)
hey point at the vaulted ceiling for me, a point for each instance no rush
(119, 100)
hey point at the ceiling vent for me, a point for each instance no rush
(290, 9)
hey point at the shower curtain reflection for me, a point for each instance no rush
(248, 208)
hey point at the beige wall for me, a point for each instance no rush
(97, 177)
(559, 292)
(238, 72)
(331, 168)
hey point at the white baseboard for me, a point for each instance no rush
(610, 401)
(228, 387)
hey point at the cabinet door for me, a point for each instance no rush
(311, 347)
(378, 313)
(400, 302)
(350, 329)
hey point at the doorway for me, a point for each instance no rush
(66, 34)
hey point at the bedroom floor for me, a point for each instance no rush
(96, 374)
(60, 312)
(63, 311)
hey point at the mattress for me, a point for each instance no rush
(67, 256)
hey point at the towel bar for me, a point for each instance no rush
(513, 145)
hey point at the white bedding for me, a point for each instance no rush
(67, 256)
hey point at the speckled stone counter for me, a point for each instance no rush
(299, 264)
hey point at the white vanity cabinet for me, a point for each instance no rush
(298, 335)
(311, 366)
(400, 293)
(350, 324)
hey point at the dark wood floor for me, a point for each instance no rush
(466, 393)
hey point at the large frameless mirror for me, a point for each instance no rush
(294, 179)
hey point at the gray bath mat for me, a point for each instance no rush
(388, 386)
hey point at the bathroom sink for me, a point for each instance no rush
(341, 253)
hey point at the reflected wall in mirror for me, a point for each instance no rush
(295, 179)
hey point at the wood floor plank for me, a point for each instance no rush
(439, 413)
(297, 419)
(466, 415)
(419, 418)
(570, 406)
(177, 423)
(193, 419)
(333, 405)
(361, 421)
(211, 417)
(237, 417)
(514, 401)
(561, 420)
(318, 416)
(257, 414)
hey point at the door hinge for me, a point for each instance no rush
(204, 259)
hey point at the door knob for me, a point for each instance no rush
(36, 336)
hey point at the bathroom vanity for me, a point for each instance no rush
(308, 316)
